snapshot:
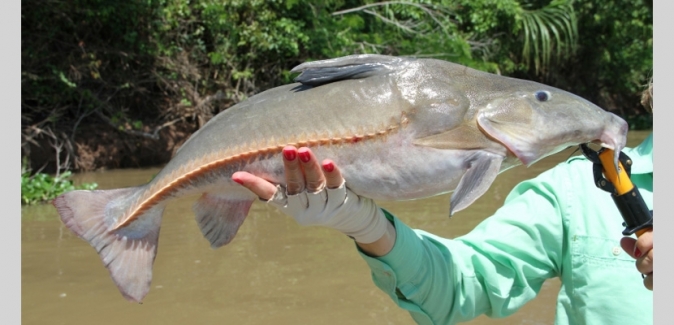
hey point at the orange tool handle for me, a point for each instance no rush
(626, 195)
(620, 180)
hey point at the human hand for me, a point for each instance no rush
(642, 250)
(317, 195)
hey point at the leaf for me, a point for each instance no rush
(550, 28)
(65, 80)
(42, 187)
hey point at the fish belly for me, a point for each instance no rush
(390, 169)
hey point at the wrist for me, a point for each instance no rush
(369, 226)
(382, 245)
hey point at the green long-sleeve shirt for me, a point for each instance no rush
(555, 225)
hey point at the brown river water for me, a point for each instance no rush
(273, 272)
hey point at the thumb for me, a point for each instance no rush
(262, 188)
(629, 244)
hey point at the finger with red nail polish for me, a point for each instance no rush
(293, 171)
(313, 175)
(643, 251)
(333, 176)
(305, 154)
(289, 153)
(628, 244)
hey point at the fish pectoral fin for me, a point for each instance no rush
(350, 67)
(128, 252)
(482, 170)
(463, 137)
(220, 215)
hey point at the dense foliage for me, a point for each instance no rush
(41, 187)
(141, 66)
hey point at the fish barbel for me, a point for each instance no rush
(398, 128)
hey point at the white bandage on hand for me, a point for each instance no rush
(338, 208)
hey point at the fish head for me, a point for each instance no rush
(534, 121)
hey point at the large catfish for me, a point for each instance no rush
(399, 129)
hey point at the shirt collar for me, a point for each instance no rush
(642, 156)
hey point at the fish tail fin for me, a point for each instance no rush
(128, 253)
(220, 215)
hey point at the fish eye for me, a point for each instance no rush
(542, 95)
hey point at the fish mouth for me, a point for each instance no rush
(593, 155)
(530, 157)
(600, 143)
(527, 153)
(614, 137)
(531, 133)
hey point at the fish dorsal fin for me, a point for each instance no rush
(322, 72)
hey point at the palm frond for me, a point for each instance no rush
(550, 33)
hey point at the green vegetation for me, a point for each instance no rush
(141, 66)
(40, 187)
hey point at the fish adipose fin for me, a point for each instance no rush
(128, 253)
(482, 170)
(220, 216)
(322, 72)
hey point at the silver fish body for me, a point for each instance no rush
(398, 128)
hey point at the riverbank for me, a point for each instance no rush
(100, 146)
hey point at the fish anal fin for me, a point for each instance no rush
(483, 169)
(129, 252)
(220, 216)
(463, 137)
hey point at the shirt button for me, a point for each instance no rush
(616, 250)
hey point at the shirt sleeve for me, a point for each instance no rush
(494, 270)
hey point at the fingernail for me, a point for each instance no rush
(238, 180)
(304, 156)
(289, 154)
(328, 166)
(637, 252)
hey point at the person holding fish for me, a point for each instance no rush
(558, 224)
(401, 128)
